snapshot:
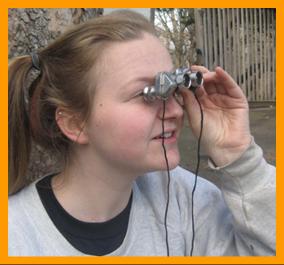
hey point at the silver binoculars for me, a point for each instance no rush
(167, 83)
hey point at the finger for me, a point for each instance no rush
(199, 68)
(190, 103)
(189, 99)
(199, 92)
(210, 89)
(227, 84)
(209, 78)
(192, 109)
(210, 85)
(213, 87)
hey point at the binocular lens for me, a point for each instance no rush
(186, 81)
(192, 80)
(196, 79)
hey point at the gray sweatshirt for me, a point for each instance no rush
(238, 218)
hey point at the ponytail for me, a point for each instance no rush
(64, 81)
(19, 140)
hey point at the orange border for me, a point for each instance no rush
(4, 5)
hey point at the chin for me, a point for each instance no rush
(173, 160)
(157, 161)
(173, 164)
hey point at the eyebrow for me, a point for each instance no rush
(143, 79)
(150, 80)
(146, 79)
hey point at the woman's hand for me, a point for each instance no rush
(226, 134)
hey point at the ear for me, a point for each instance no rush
(71, 126)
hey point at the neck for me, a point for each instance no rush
(91, 191)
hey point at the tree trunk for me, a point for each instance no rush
(33, 28)
(29, 30)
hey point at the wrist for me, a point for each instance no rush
(221, 157)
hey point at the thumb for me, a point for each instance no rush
(192, 109)
(190, 102)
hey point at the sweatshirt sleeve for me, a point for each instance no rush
(248, 188)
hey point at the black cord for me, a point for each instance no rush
(195, 179)
(169, 179)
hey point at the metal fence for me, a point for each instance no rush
(242, 41)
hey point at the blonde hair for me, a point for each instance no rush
(62, 82)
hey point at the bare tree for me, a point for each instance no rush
(177, 31)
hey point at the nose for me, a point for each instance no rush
(173, 109)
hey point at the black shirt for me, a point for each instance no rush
(90, 238)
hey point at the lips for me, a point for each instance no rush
(165, 135)
(168, 134)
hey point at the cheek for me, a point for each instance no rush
(123, 127)
(131, 129)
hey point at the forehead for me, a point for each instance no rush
(126, 61)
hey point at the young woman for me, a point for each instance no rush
(111, 194)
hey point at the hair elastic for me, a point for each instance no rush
(35, 60)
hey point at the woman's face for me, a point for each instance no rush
(124, 131)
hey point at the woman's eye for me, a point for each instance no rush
(138, 95)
